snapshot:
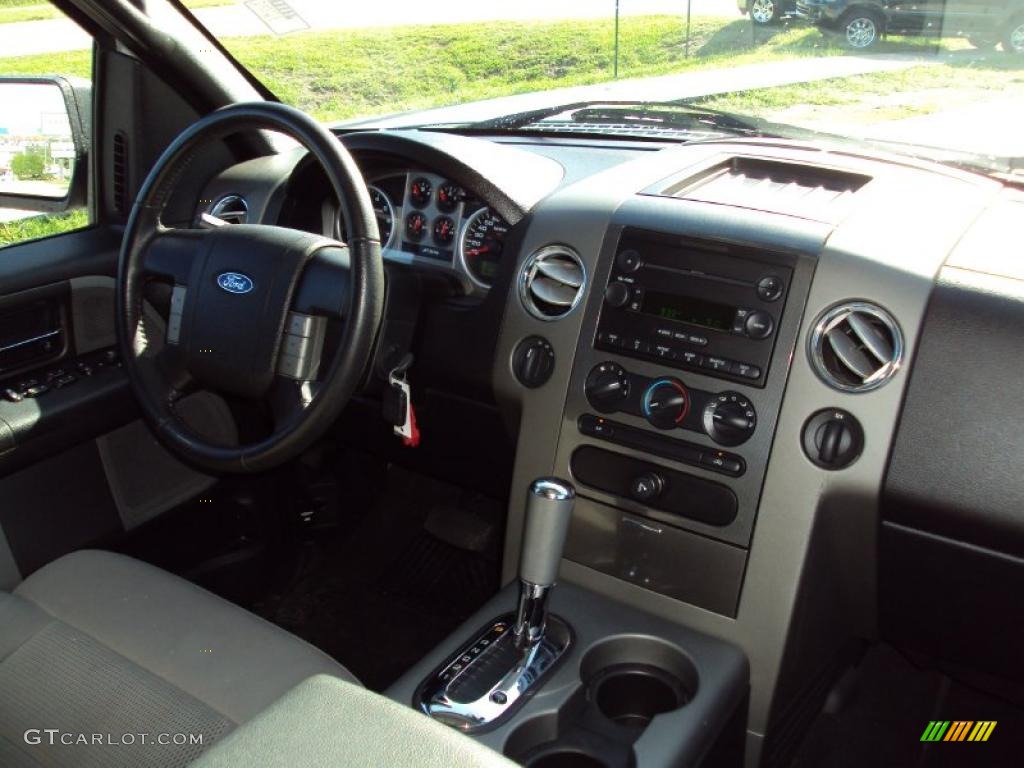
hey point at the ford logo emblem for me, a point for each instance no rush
(235, 282)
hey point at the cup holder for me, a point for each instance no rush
(630, 679)
(630, 695)
(627, 681)
(565, 758)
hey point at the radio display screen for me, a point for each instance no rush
(686, 309)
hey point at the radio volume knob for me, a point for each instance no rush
(607, 386)
(666, 403)
(616, 294)
(729, 419)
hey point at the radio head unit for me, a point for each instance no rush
(694, 306)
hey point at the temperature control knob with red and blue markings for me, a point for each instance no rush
(665, 403)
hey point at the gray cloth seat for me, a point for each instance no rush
(101, 644)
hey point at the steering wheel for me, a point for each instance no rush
(251, 304)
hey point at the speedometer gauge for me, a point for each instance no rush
(385, 213)
(481, 244)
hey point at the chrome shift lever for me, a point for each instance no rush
(549, 504)
(498, 669)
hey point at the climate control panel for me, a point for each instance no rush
(667, 403)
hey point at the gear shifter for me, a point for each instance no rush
(549, 506)
(504, 664)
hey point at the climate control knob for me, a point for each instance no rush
(666, 403)
(729, 418)
(607, 387)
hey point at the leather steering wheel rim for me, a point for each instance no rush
(364, 306)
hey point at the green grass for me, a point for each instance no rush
(339, 74)
(34, 10)
(41, 226)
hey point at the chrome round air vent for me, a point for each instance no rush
(552, 282)
(856, 347)
(231, 208)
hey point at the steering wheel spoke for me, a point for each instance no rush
(323, 288)
(170, 253)
(288, 399)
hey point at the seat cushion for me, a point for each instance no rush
(98, 643)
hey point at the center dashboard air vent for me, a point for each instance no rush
(795, 189)
(856, 347)
(231, 208)
(552, 282)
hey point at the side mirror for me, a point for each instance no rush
(44, 143)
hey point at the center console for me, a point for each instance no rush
(590, 682)
(673, 399)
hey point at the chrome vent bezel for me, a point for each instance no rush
(549, 262)
(859, 317)
(220, 209)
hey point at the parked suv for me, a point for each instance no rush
(764, 12)
(863, 22)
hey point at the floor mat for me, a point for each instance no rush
(890, 708)
(384, 592)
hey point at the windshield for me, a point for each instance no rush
(930, 76)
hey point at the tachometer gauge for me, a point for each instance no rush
(385, 213)
(449, 196)
(444, 231)
(421, 192)
(415, 226)
(481, 244)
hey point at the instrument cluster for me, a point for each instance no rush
(426, 219)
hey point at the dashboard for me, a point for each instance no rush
(716, 342)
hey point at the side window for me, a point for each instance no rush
(45, 67)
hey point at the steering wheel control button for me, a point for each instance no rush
(770, 288)
(607, 387)
(176, 312)
(628, 260)
(301, 346)
(533, 361)
(646, 486)
(833, 439)
(666, 403)
(729, 419)
(759, 325)
(616, 295)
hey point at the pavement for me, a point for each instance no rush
(986, 128)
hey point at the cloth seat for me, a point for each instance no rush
(101, 648)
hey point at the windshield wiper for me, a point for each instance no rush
(620, 117)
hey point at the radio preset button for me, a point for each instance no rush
(746, 370)
(770, 288)
(628, 260)
(716, 364)
(692, 358)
